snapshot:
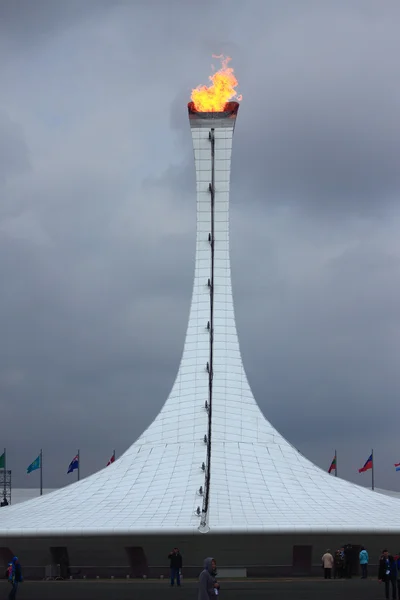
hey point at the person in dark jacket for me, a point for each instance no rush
(388, 573)
(397, 561)
(208, 585)
(175, 564)
(338, 568)
(14, 577)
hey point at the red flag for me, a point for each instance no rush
(112, 459)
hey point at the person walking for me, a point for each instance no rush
(327, 563)
(364, 559)
(14, 577)
(175, 564)
(208, 585)
(388, 573)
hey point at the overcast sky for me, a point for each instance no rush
(97, 221)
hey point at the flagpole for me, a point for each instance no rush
(5, 474)
(335, 463)
(79, 466)
(41, 473)
(372, 470)
(114, 454)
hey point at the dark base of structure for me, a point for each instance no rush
(237, 556)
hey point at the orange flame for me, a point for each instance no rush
(222, 89)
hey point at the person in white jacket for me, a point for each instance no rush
(327, 563)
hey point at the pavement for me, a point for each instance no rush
(282, 589)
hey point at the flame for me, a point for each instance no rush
(222, 89)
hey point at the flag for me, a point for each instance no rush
(112, 459)
(367, 466)
(333, 466)
(397, 465)
(35, 465)
(3, 461)
(74, 464)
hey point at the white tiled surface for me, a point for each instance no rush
(23, 494)
(151, 487)
(259, 482)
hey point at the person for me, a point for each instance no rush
(175, 564)
(364, 558)
(327, 563)
(397, 559)
(338, 564)
(208, 584)
(14, 577)
(388, 573)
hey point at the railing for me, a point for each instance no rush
(161, 572)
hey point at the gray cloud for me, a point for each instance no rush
(14, 154)
(28, 22)
(94, 143)
(326, 136)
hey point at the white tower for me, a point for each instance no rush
(210, 461)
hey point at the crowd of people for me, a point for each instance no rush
(342, 564)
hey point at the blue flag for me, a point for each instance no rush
(35, 465)
(74, 464)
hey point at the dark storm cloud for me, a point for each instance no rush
(97, 220)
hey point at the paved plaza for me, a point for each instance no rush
(295, 589)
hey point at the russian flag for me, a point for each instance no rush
(397, 465)
(367, 466)
(74, 464)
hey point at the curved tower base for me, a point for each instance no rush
(210, 463)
